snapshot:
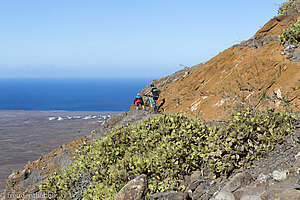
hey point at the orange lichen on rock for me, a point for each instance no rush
(75, 143)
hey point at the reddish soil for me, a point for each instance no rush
(210, 89)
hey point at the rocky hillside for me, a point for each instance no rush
(163, 83)
(258, 72)
(260, 66)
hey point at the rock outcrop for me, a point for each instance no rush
(131, 117)
(163, 83)
(134, 189)
(172, 195)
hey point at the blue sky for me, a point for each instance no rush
(117, 38)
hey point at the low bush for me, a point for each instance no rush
(291, 34)
(285, 6)
(166, 148)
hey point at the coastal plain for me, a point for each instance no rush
(27, 135)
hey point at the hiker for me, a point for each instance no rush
(138, 102)
(154, 91)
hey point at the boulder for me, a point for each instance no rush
(196, 175)
(282, 194)
(297, 184)
(297, 162)
(205, 190)
(171, 195)
(279, 175)
(195, 180)
(239, 180)
(262, 178)
(134, 189)
(225, 195)
(250, 197)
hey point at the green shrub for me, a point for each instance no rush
(247, 136)
(291, 34)
(285, 6)
(166, 148)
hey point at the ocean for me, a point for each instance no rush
(71, 94)
(39, 115)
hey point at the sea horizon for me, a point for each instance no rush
(70, 94)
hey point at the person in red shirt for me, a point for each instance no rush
(138, 102)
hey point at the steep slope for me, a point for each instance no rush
(254, 67)
(201, 92)
(163, 83)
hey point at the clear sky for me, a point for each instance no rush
(117, 38)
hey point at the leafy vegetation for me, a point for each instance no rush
(166, 148)
(285, 6)
(10, 183)
(291, 34)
